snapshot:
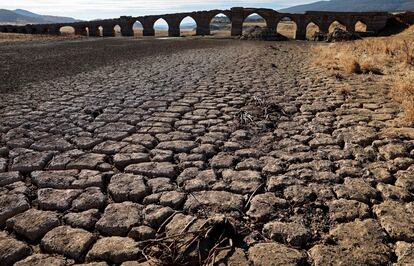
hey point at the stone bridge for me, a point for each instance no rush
(374, 21)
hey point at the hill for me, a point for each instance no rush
(22, 17)
(354, 6)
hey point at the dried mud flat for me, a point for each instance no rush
(222, 153)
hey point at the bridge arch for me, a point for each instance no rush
(220, 25)
(253, 20)
(360, 26)
(99, 31)
(137, 28)
(117, 30)
(256, 12)
(67, 30)
(161, 27)
(311, 29)
(287, 26)
(337, 24)
(188, 26)
(86, 30)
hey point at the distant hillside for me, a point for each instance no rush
(22, 17)
(354, 6)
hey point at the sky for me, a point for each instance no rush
(88, 9)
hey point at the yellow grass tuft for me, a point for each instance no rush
(392, 57)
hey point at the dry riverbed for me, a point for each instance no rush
(190, 151)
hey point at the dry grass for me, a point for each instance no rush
(403, 92)
(392, 57)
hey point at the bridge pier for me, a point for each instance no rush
(237, 21)
(203, 27)
(148, 31)
(81, 31)
(54, 31)
(174, 31)
(108, 31)
(300, 34)
(93, 31)
(148, 26)
(127, 26)
(127, 30)
(324, 28)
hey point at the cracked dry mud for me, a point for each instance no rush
(167, 156)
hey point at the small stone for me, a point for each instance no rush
(242, 182)
(122, 160)
(343, 210)
(392, 151)
(86, 143)
(4, 152)
(44, 260)
(155, 215)
(356, 189)
(214, 201)
(173, 199)
(222, 160)
(161, 184)
(90, 198)
(119, 218)
(177, 146)
(249, 164)
(294, 234)
(33, 224)
(356, 243)
(405, 179)
(114, 249)
(263, 206)
(142, 139)
(195, 185)
(10, 205)
(85, 220)
(394, 193)
(405, 253)
(182, 223)
(128, 187)
(300, 194)
(273, 254)
(10, 177)
(12, 250)
(237, 257)
(109, 147)
(3, 165)
(154, 169)
(61, 160)
(161, 155)
(56, 199)
(31, 161)
(272, 167)
(67, 179)
(275, 183)
(87, 161)
(51, 144)
(322, 140)
(68, 241)
(142, 233)
(397, 219)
